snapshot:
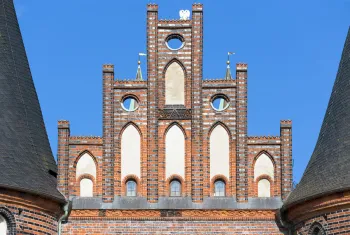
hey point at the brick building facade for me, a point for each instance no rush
(175, 154)
(175, 157)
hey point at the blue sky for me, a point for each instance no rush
(292, 49)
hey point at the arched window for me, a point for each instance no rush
(174, 85)
(264, 188)
(219, 188)
(316, 229)
(86, 188)
(175, 188)
(130, 152)
(131, 188)
(3, 225)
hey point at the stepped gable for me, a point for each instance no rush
(26, 160)
(328, 169)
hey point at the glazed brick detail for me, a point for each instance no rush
(171, 226)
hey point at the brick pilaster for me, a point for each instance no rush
(242, 147)
(152, 97)
(108, 134)
(63, 157)
(286, 158)
(197, 119)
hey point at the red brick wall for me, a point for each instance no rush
(28, 213)
(172, 226)
(335, 222)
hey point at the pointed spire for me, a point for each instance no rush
(26, 160)
(139, 72)
(328, 168)
(228, 75)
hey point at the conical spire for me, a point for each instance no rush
(328, 169)
(228, 75)
(26, 160)
(139, 72)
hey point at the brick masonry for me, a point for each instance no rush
(173, 226)
(153, 118)
(29, 214)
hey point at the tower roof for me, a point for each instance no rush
(328, 169)
(26, 160)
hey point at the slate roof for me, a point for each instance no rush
(328, 170)
(26, 158)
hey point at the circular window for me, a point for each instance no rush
(130, 104)
(220, 103)
(175, 42)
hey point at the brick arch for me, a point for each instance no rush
(81, 154)
(126, 126)
(10, 220)
(226, 181)
(126, 179)
(267, 154)
(90, 177)
(264, 177)
(178, 125)
(176, 61)
(217, 124)
(172, 178)
(315, 226)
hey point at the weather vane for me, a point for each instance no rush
(228, 56)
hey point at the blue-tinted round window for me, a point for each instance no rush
(130, 104)
(220, 103)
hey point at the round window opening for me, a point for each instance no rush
(175, 42)
(220, 103)
(130, 104)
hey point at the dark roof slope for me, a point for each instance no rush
(25, 154)
(328, 170)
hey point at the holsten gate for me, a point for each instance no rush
(174, 158)
(175, 146)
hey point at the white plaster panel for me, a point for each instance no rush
(86, 188)
(130, 152)
(3, 225)
(263, 166)
(264, 188)
(219, 152)
(86, 165)
(174, 84)
(175, 152)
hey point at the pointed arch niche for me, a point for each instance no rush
(86, 165)
(263, 166)
(174, 152)
(130, 152)
(174, 84)
(219, 152)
